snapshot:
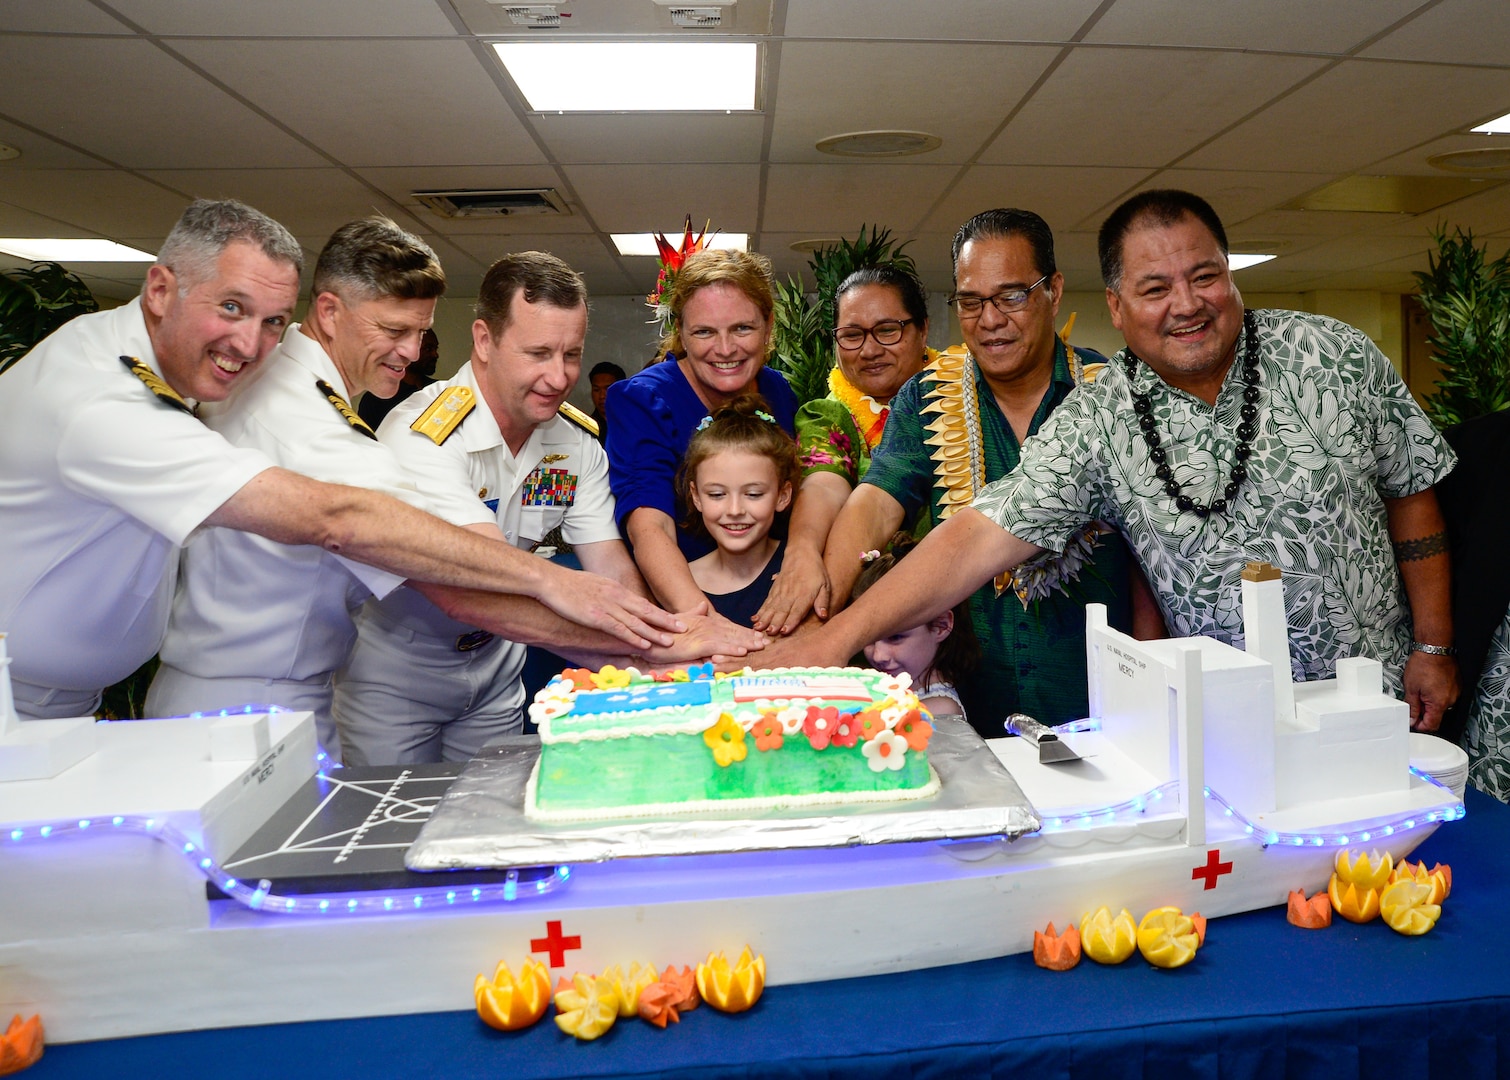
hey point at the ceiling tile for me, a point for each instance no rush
(289, 18)
(845, 195)
(59, 17)
(1454, 32)
(1286, 25)
(1413, 161)
(648, 198)
(588, 255)
(831, 88)
(1238, 196)
(967, 20)
(41, 152)
(98, 202)
(1036, 188)
(672, 139)
(309, 202)
(376, 102)
(1175, 100)
(144, 109)
(1358, 113)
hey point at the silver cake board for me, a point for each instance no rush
(480, 822)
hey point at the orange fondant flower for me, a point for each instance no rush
(1057, 952)
(21, 1045)
(846, 731)
(727, 741)
(581, 678)
(1312, 914)
(587, 1008)
(819, 726)
(509, 1004)
(731, 987)
(915, 730)
(870, 723)
(768, 732)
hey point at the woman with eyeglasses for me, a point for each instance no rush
(880, 341)
(722, 304)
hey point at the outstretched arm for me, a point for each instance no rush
(1420, 541)
(867, 521)
(802, 586)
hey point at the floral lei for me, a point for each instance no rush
(868, 413)
(959, 468)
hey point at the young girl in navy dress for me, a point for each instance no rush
(739, 473)
(936, 653)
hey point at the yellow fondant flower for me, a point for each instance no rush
(1167, 937)
(731, 988)
(1108, 940)
(629, 989)
(587, 1008)
(727, 741)
(509, 1004)
(611, 678)
(1407, 907)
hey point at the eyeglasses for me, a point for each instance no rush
(888, 332)
(1006, 301)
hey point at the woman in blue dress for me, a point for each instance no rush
(722, 303)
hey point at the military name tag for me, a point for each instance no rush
(346, 411)
(154, 382)
(549, 487)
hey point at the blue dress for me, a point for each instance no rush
(651, 418)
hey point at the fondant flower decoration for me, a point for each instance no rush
(819, 725)
(1056, 952)
(731, 987)
(1105, 939)
(870, 723)
(1354, 887)
(630, 987)
(1167, 938)
(915, 730)
(1439, 877)
(548, 709)
(792, 718)
(895, 686)
(587, 1008)
(1407, 907)
(846, 730)
(888, 750)
(21, 1045)
(509, 1004)
(768, 732)
(579, 677)
(611, 678)
(727, 741)
(1312, 914)
(700, 671)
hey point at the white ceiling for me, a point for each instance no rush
(318, 111)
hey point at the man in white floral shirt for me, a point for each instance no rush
(1217, 437)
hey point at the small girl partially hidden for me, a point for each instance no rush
(937, 653)
(739, 472)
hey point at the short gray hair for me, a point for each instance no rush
(209, 226)
(373, 257)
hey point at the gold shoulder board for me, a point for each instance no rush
(154, 382)
(346, 411)
(445, 414)
(578, 417)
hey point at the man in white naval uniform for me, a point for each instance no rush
(105, 471)
(493, 449)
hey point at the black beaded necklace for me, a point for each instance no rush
(1245, 430)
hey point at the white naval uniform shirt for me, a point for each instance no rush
(458, 478)
(100, 482)
(248, 607)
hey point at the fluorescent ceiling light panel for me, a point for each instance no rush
(632, 76)
(1498, 126)
(40, 249)
(1242, 262)
(644, 243)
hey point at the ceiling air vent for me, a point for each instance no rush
(696, 16)
(501, 202)
(533, 16)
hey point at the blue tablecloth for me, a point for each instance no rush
(1262, 1000)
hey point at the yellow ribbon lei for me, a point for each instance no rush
(868, 414)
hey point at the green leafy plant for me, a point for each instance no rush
(1467, 299)
(803, 334)
(34, 302)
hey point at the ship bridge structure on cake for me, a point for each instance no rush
(136, 897)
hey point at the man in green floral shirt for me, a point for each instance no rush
(1217, 437)
(991, 395)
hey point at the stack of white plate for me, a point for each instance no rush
(1440, 759)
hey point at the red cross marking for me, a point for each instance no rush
(1213, 869)
(554, 943)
